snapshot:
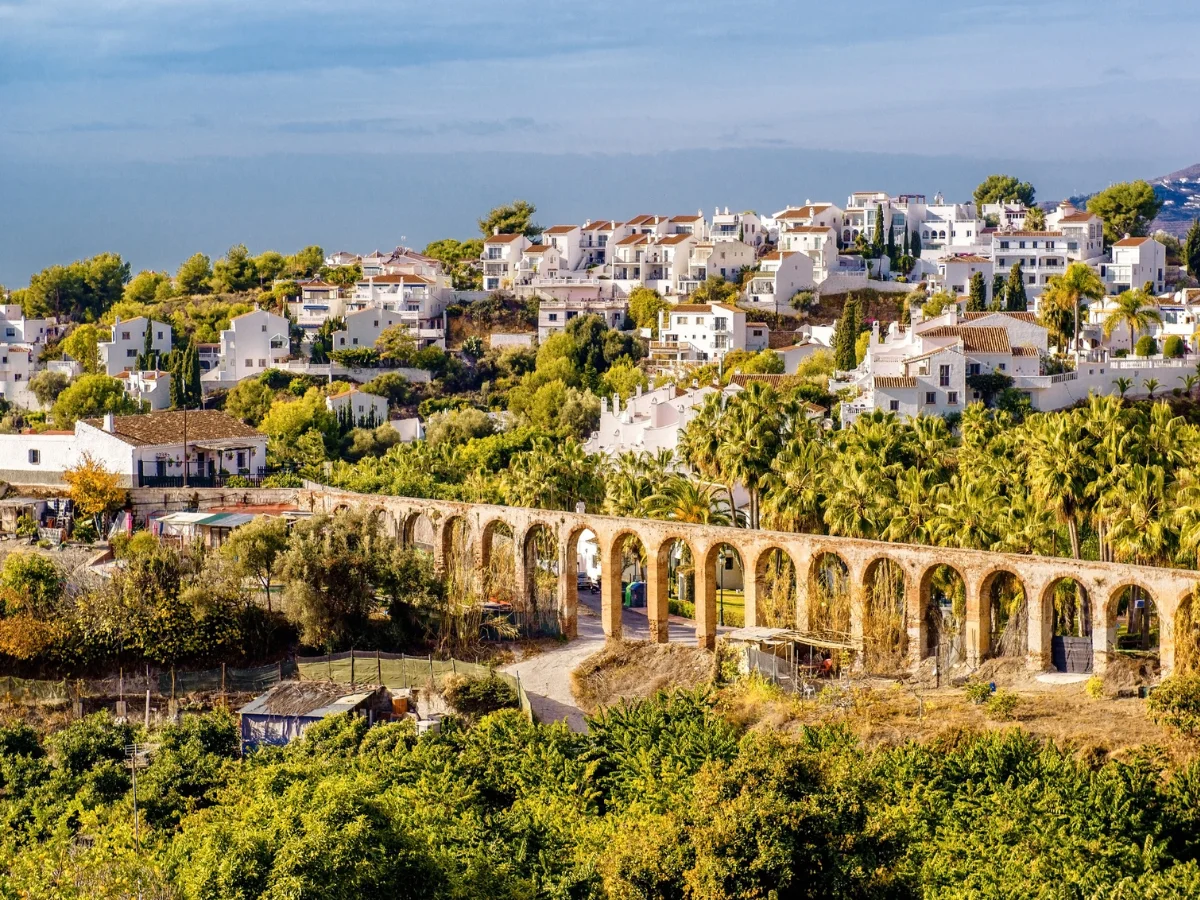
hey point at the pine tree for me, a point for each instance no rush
(977, 298)
(1191, 249)
(997, 291)
(1014, 292)
(915, 253)
(891, 243)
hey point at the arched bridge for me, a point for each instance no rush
(1102, 585)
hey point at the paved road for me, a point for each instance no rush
(547, 676)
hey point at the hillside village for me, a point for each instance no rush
(898, 303)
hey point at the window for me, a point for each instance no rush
(930, 398)
(375, 323)
(972, 368)
(894, 405)
(130, 353)
(35, 457)
(681, 320)
(720, 323)
(1002, 365)
(241, 459)
(944, 376)
(124, 335)
(493, 253)
(1021, 245)
(952, 398)
(249, 364)
(1049, 245)
(553, 317)
(264, 328)
(10, 332)
(1004, 245)
(262, 363)
(160, 336)
(355, 341)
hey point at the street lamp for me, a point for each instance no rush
(721, 586)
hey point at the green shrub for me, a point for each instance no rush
(84, 530)
(1146, 346)
(480, 696)
(1001, 704)
(978, 692)
(283, 480)
(1173, 347)
(238, 481)
(1094, 687)
(1176, 703)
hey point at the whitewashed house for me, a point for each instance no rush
(817, 242)
(152, 386)
(691, 333)
(955, 273)
(253, 342)
(540, 262)
(554, 314)
(695, 225)
(1136, 261)
(650, 421)
(782, 274)
(568, 241)
(363, 410)
(715, 259)
(364, 326)
(120, 352)
(501, 259)
(746, 227)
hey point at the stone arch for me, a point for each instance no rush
(497, 561)
(417, 530)
(885, 616)
(456, 554)
(624, 557)
(540, 572)
(340, 508)
(1131, 623)
(1184, 650)
(725, 573)
(830, 593)
(580, 562)
(772, 590)
(1066, 624)
(1003, 614)
(942, 593)
(672, 576)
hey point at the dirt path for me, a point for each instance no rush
(546, 677)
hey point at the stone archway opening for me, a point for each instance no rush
(728, 583)
(1135, 616)
(677, 573)
(418, 532)
(498, 578)
(1067, 617)
(775, 589)
(1006, 611)
(1187, 635)
(537, 606)
(885, 619)
(944, 606)
(458, 561)
(624, 581)
(829, 597)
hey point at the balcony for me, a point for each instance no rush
(492, 268)
(212, 479)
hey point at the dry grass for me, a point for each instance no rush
(888, 713)
(632, 670)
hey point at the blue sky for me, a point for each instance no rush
(158, 127)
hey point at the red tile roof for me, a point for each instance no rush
(1132, 242)
(502, 238)
(975, 338)
(895, 381)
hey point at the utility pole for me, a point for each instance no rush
(136, 756)
(185, 459)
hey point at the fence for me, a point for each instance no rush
(27, 690)
(224, 679)
(396, 670)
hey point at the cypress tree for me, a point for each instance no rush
(891, 244)
(845, 336)
(997, 291)
(1191, 249)
(174, 366)
(147, 360)
(916, 245)
(877, 238)
(904, 250)
(977, 298)
(1014, 292)
(193, 374)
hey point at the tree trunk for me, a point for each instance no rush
(1073, 531)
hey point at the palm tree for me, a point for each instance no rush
(682, 499)
(752, 431)
(967, 514)
(1123, 384)
(1131, 310)
(1151, 385)
(1189, 383)
(793, 489)
(1060, 467)
(1069, 291)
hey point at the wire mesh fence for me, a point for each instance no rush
(224, 679)
(28, 690)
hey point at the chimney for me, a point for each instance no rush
(639, 390)
(495, 229)
(109, 422)
(603, 406)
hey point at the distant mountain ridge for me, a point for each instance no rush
(1180, 194)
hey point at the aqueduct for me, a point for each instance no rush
(1102, 585)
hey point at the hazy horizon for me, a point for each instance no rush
(157, 128)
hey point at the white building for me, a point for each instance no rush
(417, 302)
(659, 262)
(364, 410)
(540, 262)
(120, 352)
(715, 259)
(650, 421)
(746, 227)
(783, 273)
(691, 333)
(364, 326)
(152, 386)
(1136, 261)
(695, 225)
(553, 314)
(501, 259)
(143, 451)
(253, 342)
(955, 273)
(817, 242)
(568, 241)
(596, 239)
(823, 214)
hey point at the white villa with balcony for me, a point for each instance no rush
(1135, 261)
(746, 227)
(501, 258)
(253, 342)
(817, 242)
(697, 333)
(542, 262)
(783, 273)
(658, 262)
(824, 214)
(715, 259)
(127, 341)
(649, 421)
(955, 273)
(554, 314)
(568, 241)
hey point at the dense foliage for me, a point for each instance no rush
(665, 798)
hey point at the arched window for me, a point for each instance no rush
(925, 235)
(941, 235)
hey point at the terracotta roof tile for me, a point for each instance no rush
(804, 212)
(895, 381)
(167, 427)
(1132, 242)
(1022, 316)
(1025, 351)
(560, 229)
(975, 338)
(502, 238)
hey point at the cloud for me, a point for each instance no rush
(407, 127)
